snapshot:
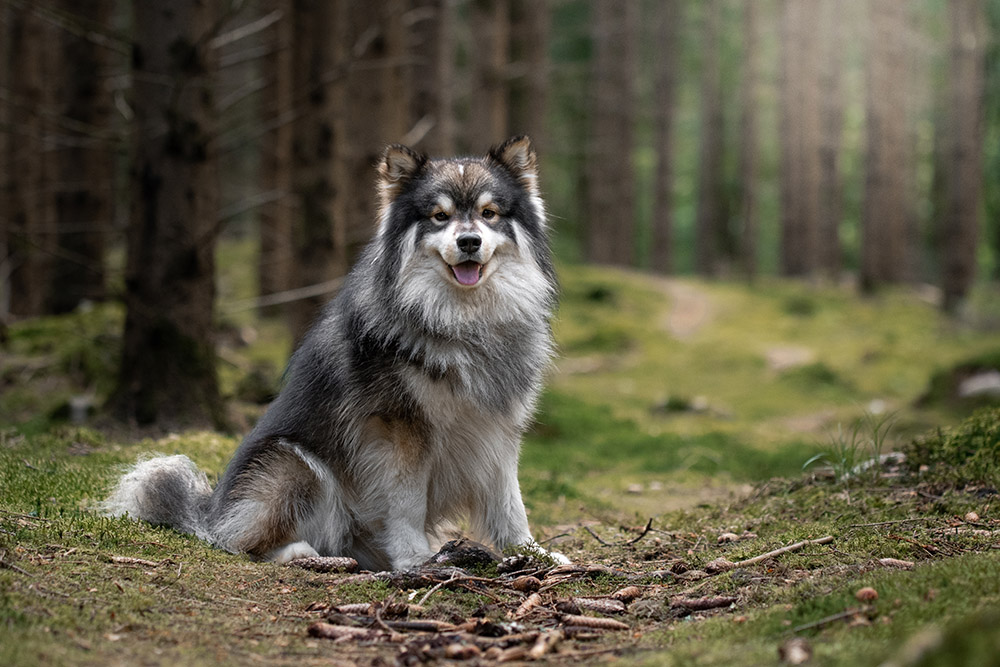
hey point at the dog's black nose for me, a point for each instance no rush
(469, 243)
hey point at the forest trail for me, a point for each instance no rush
(690, 308)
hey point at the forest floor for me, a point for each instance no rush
(714, 459)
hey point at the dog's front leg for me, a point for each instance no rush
(500, 514)
(405, 537)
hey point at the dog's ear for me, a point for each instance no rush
(518, 157)
(398, 165)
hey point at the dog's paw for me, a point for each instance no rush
(292, 551)
(560, 559)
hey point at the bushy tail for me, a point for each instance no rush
(165, 490)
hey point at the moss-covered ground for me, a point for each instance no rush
(685, 423)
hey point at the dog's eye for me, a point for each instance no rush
(441, 216)
(489, 214)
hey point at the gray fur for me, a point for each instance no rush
(405, 404)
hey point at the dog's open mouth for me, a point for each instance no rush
(467, 273)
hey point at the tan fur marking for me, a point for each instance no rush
(284, 485)
(406, 442)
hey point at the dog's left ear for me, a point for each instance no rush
(518, 156)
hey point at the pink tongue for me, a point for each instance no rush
(467, 273)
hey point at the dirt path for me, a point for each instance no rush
(690, 309)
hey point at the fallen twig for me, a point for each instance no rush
(721, 564)
(833, 618)
(595, 623)
(701, 604)
(645, 531)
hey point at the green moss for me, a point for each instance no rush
(968, 453)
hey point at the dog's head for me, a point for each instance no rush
(466, 231)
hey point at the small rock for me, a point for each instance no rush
(986, 383)
(866, 594)
(972, 517)
(728, 537)
(795, 651)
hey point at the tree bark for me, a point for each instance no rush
(529, 76)
(168, 366)
(31, 231)
(884, 237)
(318, 137)
(963, 150)
(748, 147)
(710, 216)
(610, 182)
(376, 52)
(486, 117)
(84, 162)
(667, 23)
(801, 134)
(432, 39)
(276, 259)
(831, 204)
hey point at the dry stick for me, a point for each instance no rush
(645, 531)
(889, 523)
(777, 552)
(436, 587)
(849, 613)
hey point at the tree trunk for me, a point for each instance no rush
(375, 94)
(884, 237)
(432, 47)
(610, 182)
(168, 370)
(85, 162)
(276, 259)
(831, 204)
(710, 221)
(32, 238)
(801, 134)
(6, 160)
(667, 23)
(529, 82)
(963, 150)
(319, 237)
(486, 103)
(748, 147)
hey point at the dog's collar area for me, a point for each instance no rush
(467, 273)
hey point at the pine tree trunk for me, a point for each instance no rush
(801, 136)
(748, 148)
(373, 99)
(884, 236)
(529, 64)
(709, 222)
(486, 122)
(963, 150)
(831, 206)
(276, 259)
(32, 238)
(665, 39)
(610, 189)
(432, 47)
(319, 236)
(168, 371)
(83, 197)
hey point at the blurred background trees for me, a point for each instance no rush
(827, 140)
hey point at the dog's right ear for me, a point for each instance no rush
(398, 165)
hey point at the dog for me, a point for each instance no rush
(404, 406)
